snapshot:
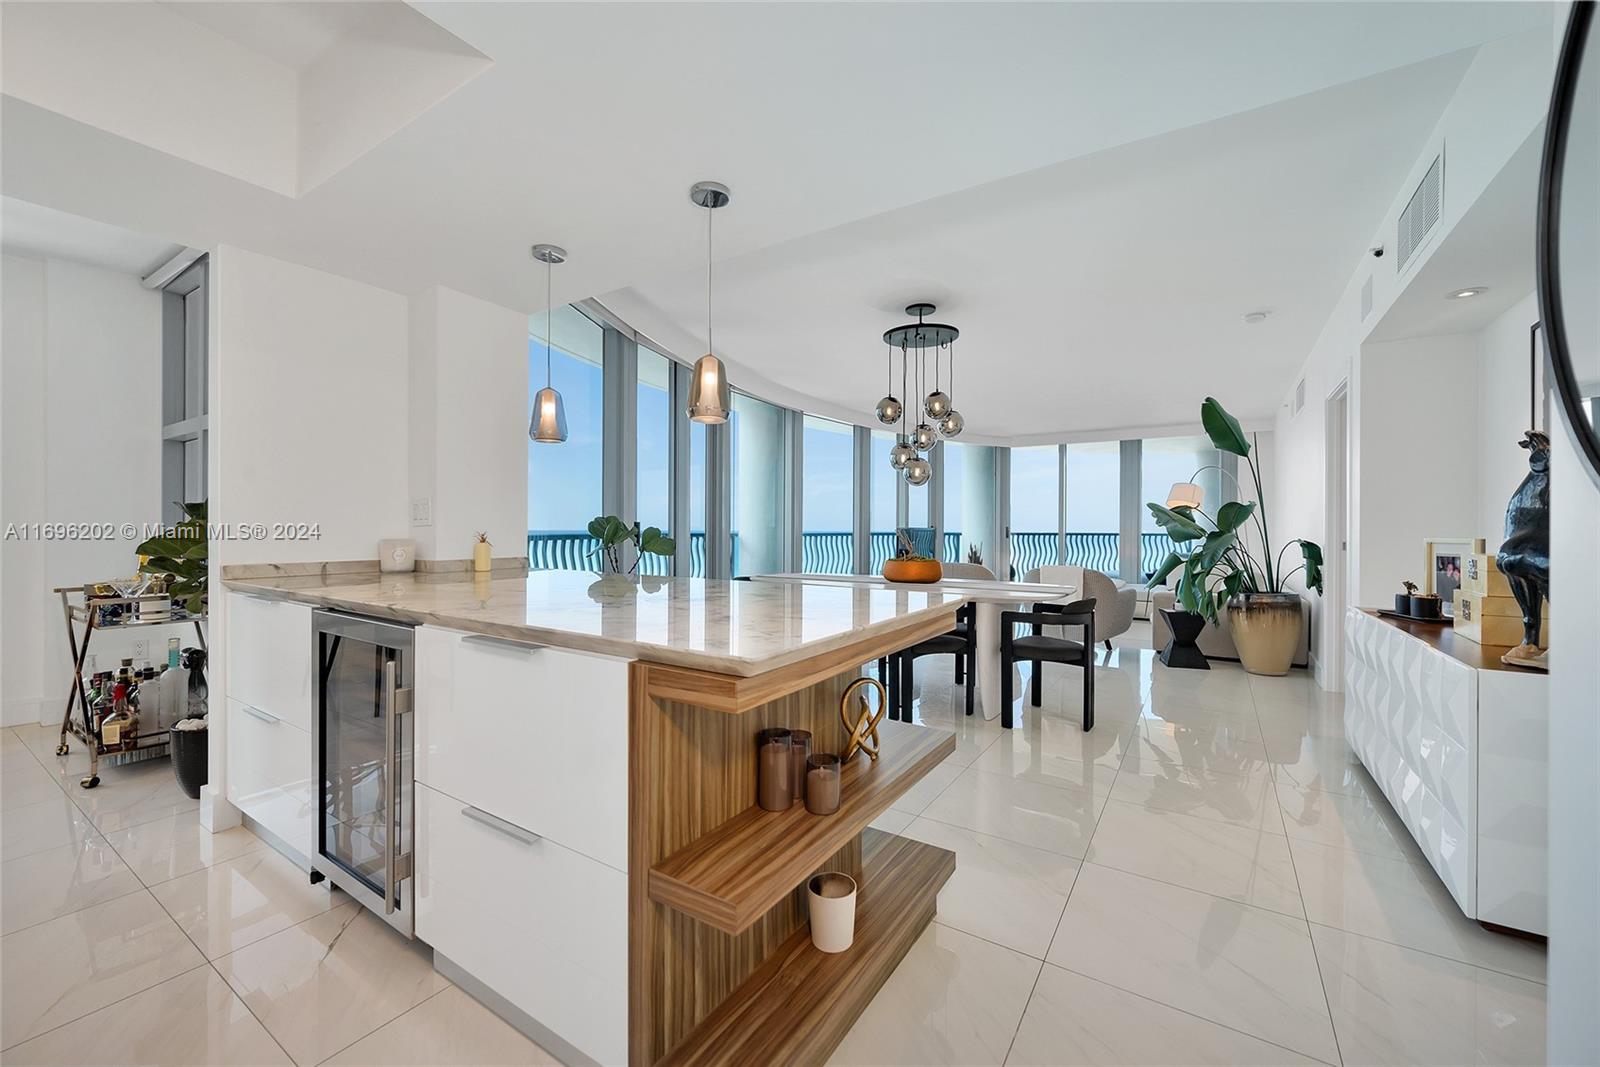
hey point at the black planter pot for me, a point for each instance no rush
(1402, 603)
(1425, 607)
(189, 761)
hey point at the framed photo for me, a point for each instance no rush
(1445, 558)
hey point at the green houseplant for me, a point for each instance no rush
(184, 555)
(1218, 563)
(613, 533)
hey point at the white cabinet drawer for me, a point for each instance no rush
(541, 925)
(271, 775)
(537, 736)
(269, 656)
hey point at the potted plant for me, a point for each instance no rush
(1402, 601)
(910, 566)
(1218, 565)
(183, 555)
(1422, 605)
(613, 533)
(975, 554)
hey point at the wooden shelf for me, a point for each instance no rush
(800, 1003)
(731, 876)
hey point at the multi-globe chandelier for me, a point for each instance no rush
(938, 418)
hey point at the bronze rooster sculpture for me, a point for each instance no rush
(1524, 558)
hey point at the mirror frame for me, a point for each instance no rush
(1557, 124)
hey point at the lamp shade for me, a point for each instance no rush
(1185, 495)
(549, 423)
(709, 398)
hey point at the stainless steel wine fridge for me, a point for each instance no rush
(364, 740)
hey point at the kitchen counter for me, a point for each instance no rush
(734, 628)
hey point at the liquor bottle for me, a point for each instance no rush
(111, 727)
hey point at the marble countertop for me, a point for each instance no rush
(737, 628)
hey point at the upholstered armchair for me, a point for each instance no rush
(1115, 602)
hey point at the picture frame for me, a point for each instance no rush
(1443, 560)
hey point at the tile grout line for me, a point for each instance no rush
(103, 1007)
(396, 1019)
(1305, 917)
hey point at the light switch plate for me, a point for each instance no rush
(397, 555)
(422, 511)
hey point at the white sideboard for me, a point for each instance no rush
(1459, 745)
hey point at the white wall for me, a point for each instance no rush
(469, 429)
(1500, 101)
(1503, 414)
(79, 341)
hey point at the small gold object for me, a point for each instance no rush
(859, 719)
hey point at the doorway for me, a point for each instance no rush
(1336, 430)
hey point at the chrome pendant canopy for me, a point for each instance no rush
(918, 471)
(548, 424)
(952, 424)
(710, 399)
(889, 410)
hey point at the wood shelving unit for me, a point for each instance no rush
(798, 1005)
(732, 876)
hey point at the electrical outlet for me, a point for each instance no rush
(141, 651)
(422, 511)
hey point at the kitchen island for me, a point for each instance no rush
(585, 851)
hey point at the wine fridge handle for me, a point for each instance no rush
(391, 713)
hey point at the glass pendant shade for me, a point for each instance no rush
(923, 437)
(889, 410)
(709, 398)
(549, 423)
(952, 424)
(937, 405)
(901, 454)
(918, 471)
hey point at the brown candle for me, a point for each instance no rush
(799, 751)
(774, 769)
(822, 784)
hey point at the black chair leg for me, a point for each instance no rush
(908, 667)
(1088, 691)
(961, 668)
(889, 675)
(970, 686)
(1038, 682)
(1005, 692)
(1108, 646)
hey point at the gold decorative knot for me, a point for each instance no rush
(858, 718)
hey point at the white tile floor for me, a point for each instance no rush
(1206, 877)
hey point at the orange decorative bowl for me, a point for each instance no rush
(912, 570)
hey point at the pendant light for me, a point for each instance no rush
(922, 438)
(710, 399)
(937, 414)
(548, 425)
(938, 403)
(889, 408)
(902, 453)
(952, 424)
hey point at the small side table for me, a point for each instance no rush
(1182, 651)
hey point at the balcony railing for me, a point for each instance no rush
(832, 552)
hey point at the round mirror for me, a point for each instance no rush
(1569, 232)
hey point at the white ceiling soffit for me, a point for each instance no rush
(281, 95)
(1491, 246)
(40, 231)
(1101, 293)
(593, 120)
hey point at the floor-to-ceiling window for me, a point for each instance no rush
(969, 503)
(653, 451)
(1093, 512)
(564, 479)
(883, 507)
(1164, 461)
(760, 482)
(827, 544)
(1035, 507)
(697, 499)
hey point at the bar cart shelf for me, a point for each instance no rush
(86, 616)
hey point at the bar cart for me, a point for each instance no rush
(95, 613)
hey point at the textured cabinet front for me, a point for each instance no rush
(269, 657)
(537, 736)
(1411, 715)
(270, 774)
(541, 925)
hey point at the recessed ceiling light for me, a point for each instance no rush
(1253, 317)
(1467, 293)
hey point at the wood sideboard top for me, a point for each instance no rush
(1445, 639)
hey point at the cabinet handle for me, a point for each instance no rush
(494, 822)
(257, 713)
(502, 643)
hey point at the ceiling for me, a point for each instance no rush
(1094, 192)
(40, 231)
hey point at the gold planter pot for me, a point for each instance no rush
(1266, 630)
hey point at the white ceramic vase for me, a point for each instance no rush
(832, 899)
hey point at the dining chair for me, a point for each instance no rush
(1039, 649)
(960, 642)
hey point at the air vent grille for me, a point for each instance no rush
(1366, 298)
(1421, 214)
(1299, 396)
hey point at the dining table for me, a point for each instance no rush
(989, 597)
